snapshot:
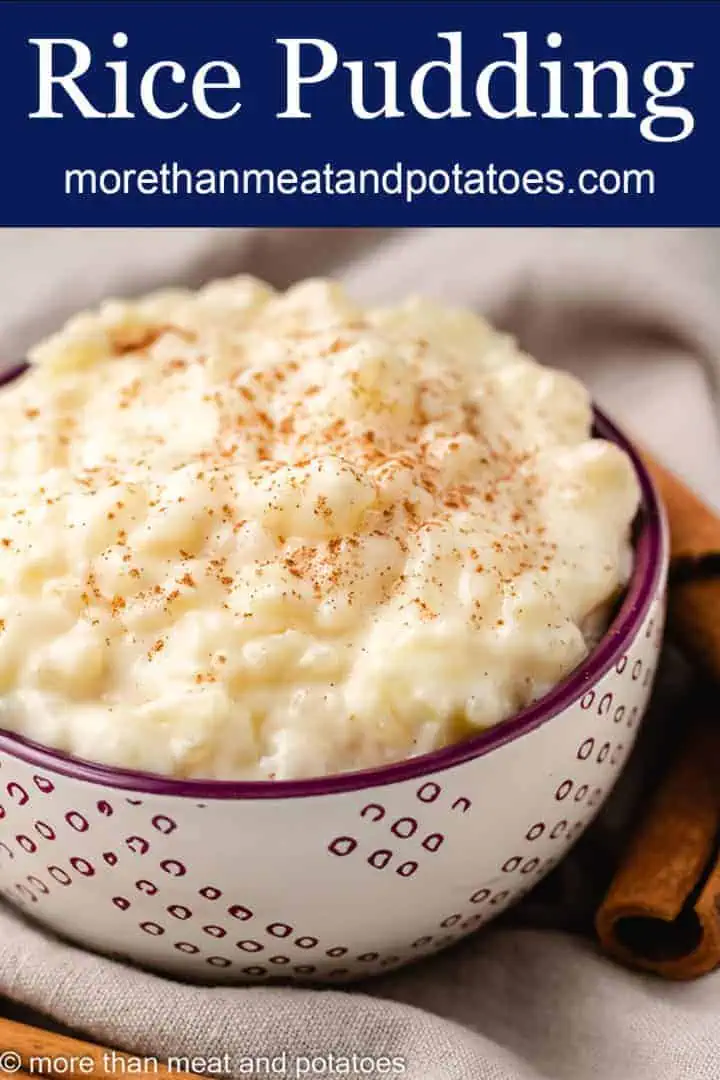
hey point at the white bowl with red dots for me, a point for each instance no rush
(341, 877)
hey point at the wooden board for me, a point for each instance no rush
(26, 1050)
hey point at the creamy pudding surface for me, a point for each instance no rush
(259, 535)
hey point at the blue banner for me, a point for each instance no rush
(358, 113)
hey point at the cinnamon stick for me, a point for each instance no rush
(662, 911)
(694, 596)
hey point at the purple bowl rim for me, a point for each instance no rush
(645, 581)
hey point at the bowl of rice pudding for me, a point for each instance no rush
(302, 601)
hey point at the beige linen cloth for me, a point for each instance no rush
(636, 314)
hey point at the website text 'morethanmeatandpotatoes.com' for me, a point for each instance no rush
(400, 180)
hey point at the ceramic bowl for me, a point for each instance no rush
(342, 877)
